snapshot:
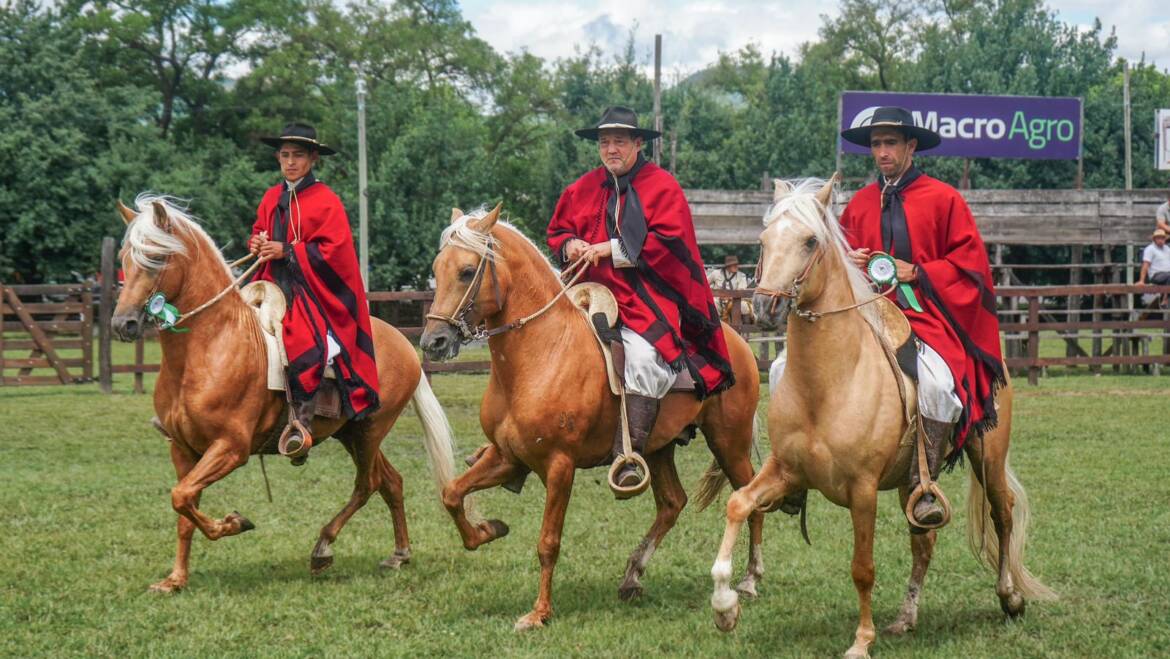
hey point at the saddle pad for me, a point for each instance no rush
(592, 299)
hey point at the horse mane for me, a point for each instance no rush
(460, 233)
(801, 204)
(150, 246)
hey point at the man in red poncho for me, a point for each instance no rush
(927, 227)
(629, 218)
(302, 228)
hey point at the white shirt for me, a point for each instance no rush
(1159, 259)
(1163, 212)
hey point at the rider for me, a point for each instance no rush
(302, 228)
(927, 227)
(646, 254)
(731, 278)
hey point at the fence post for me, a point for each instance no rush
(105, 311)
(1, 334)
(1033, 340)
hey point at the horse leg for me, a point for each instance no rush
(177, 579)
(489, 471)
(921, 549)
(221, 459)
(669, 498)
(392, 494)
(767, 486)
(737, 464)
(558, 484)
(999, 495)
(367, 477)
(863, 510)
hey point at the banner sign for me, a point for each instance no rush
(1162, 130)
(976, 126)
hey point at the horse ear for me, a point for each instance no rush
(127, 214)
(161, 219)
(456, 214)
(825, 195)
(488, 221)
(780, 189)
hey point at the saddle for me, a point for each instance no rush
(600, 308)
(267, 301)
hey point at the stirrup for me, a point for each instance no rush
(940, 499)
(293, 449)
(628, 492)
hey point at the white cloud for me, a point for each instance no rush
(694, 33)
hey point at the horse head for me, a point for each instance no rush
(798, 231)
(467, 284)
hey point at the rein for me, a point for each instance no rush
(181, 318)
(487, 262)
(793, 292)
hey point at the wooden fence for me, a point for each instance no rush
(49, 327)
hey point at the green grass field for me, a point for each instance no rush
(84, 483)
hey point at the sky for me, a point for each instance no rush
(694, 32)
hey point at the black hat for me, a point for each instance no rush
(618, 117)
(298, 132)
(895, 117)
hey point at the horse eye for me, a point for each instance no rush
(811, 243)
(467, 274)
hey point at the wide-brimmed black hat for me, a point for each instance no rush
(618, 117)
(891, 117)
(298, 132)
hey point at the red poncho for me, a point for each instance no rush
(954, 288)
(665, 298)
(322, 284)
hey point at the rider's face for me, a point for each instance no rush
(891, 151)
(618, 149)
(296, 160)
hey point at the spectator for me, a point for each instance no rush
(1155, 264)
(1162, 215)
(729, 278)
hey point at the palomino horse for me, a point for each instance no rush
(837, 422)
(548, 407)
(212, 400)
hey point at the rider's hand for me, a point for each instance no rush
(599, 251)
(907, 272)
(860, 257)
(255, 242)
(271, 250)
(574, 249)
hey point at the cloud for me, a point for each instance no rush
(694, 33)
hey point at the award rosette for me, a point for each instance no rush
(883, 270)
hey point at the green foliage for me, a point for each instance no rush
(110, 98)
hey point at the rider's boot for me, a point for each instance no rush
(936, 434)
(641, 412)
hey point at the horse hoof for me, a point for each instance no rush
(747, 589)
(496, 529)
(727, 620)
(165, 587)
(397, 559)
(1013, 605)
(318, 564)
(899, 627)
(244, 523)
(529, 621)
(629, 592)
(856, 654)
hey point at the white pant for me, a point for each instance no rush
(936, 386)
(646, 373)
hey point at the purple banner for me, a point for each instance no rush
(976, 126)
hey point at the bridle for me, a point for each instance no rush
(487, 262)
(793, 292)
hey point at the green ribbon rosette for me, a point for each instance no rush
(884, 272)
(163, 313)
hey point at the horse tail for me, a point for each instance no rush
(439, 439)
(710, 484)
(984, 543)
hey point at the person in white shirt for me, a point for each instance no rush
(1156, 263)
(1162, 216)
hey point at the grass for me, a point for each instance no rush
(85, 485)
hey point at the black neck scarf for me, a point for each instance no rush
(280, 221)
(632, 232)
(895, 234)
